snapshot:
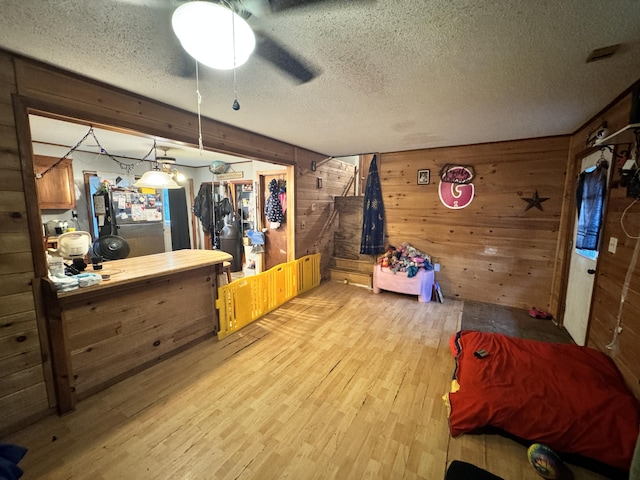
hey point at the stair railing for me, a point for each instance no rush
(334, 213)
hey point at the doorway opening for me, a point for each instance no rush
(117, 156)
(590, 200)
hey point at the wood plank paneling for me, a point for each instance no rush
(617, 116)
(612, 268)
(158, 305)
(14, 243)
(316, 220)
(21, 361)
(7, 75)
(11, 180)
(9, 158)
(49, 90)
(21, 380)
(14, 324)
(461, 241)
(112, 106)
(18, 342)
(15, 263)
(23, 394)
(494, 241)
(22, 404)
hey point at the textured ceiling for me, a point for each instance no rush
(395, 75)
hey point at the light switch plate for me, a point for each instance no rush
(613, 244)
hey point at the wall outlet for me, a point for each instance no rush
(613, 244)
(436, 267)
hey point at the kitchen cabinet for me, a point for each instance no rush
(56, 190)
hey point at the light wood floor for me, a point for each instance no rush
(339, 383)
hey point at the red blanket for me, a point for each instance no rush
(571, 398)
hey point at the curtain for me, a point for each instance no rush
(372, 241)
(179, 219)
(590, 203)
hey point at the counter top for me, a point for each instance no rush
(152, 307)
(136, 269)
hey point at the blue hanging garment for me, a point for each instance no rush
(372, 241)
(590, 202)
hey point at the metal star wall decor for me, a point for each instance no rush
(535, 201)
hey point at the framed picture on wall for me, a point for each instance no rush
(423, 177)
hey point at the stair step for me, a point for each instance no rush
(361, 266)
(351, 276)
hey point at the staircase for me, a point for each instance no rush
(347, 265)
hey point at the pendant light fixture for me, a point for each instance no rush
(214, 35)
(156, 178)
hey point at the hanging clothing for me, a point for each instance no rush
(202, 207)
(372, 241)
(590, 202)
(273, 207)
(222, 209)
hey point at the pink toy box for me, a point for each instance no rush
(421, 284)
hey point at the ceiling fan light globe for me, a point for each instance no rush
(206, 32)
(156, 179)
(180, 178)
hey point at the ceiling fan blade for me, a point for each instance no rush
(286, 61)
(261, 8)
(279, 5)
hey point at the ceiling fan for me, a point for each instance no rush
(268, 48)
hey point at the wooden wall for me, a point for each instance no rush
(23, 393)
(315, 215)
(612, 268)
(493, 250)
(27, 85)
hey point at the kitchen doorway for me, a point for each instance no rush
(274, 192)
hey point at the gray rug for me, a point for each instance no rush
(486, 317)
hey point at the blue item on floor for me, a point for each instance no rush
(10, 456)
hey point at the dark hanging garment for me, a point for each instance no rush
(179, 219)
(373, 215)
(273, 207)
(590, 203)
(202, 207)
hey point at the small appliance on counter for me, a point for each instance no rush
(72, 245)
(55, 227)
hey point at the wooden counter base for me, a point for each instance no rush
(151, 308)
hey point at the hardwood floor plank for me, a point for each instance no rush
(338, 383)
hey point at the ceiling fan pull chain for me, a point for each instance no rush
(236, 105)
(200, 146)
